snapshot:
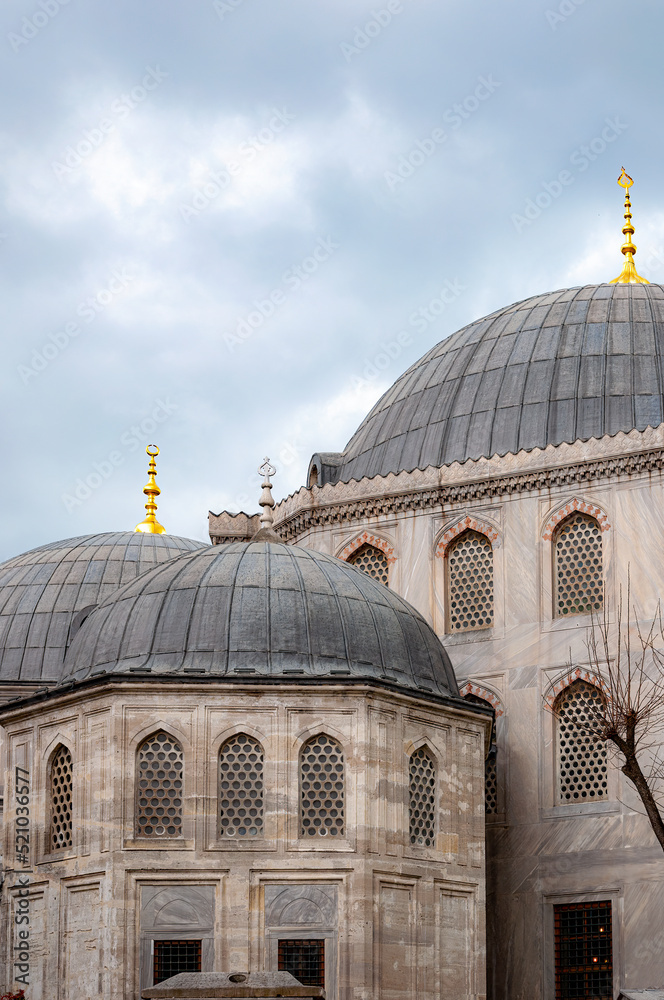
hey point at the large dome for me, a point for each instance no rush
(261, 611)
(43, 591)
(574, 364)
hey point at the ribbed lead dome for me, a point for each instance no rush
(261, 610)
(574, 364)
(42, 592)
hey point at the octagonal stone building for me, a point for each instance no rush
(256, 758)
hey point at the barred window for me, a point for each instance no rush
(173, 957)
(490, 774)
(304, 959)
(579, 574)
(584, 952)
(322, 790)
(372, 561)
(422, 798)
(582, 759)
(61, 783)
(159, 787)
(241, 787)
(470, 582)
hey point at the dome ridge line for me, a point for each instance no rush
(305, 605)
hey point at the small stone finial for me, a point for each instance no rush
(151, 526)
(266, 470)
(628, 275)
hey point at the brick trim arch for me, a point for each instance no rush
(366, 538)
(577, 674)
(467, 523)
(573, 505)
(482, 692)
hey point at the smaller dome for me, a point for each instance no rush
(261, 610)
(44, 590)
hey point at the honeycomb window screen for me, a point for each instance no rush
(582, 760)
(61, 782)
(159, 787)
(241, 787)
(470, 582)
(490, 771)
(371, 561)
(579, 573)
(322, 792)
(422, 798)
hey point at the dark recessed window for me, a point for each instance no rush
(305, 960)
(172, 957)
(584, 958)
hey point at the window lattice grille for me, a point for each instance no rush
(371, 561)
(582, 761)
(422, 798)
(241, 787)
(321, 788)
(305, 960)
(61, 793)
(584, 952)
(173, 957)
(579, 578)
(159, 776)
(490, 771)
(470, 582)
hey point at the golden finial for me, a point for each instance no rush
(151, 526)
(628, 275)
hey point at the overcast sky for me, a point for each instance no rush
(227, 227)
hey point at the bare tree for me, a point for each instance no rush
(629, 718)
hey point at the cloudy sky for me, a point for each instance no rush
(227, 226)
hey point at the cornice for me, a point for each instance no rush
(398, 493)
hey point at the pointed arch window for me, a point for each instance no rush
(241, 791)
(490, 775)
(159, 787)
(372, 561)
(322, 788)
(581, 757)
(422, 798)
(579, 576)
(60, 795)
(469, 582)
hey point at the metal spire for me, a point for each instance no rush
(151, 526)
(266, 500)
(628, 275)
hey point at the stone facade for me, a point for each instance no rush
(398, 919)
(541, 852)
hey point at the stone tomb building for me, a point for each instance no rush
(254, 757)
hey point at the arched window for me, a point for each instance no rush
(490, 778)
(578, 565)
(372, 561)
(241, 787)
(470, 582)
(159, 787)
(422, 798)
(582, 759)
(60, 794)
(322, 791)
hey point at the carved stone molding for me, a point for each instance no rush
(366, 538)
(467, 523)
(484, 693)
(569, 508)
(568, 678)
(301, 520)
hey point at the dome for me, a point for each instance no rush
(261, 610)
(571, 365)
(43, 591)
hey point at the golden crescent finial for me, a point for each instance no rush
(628, 275)
(151, 526)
